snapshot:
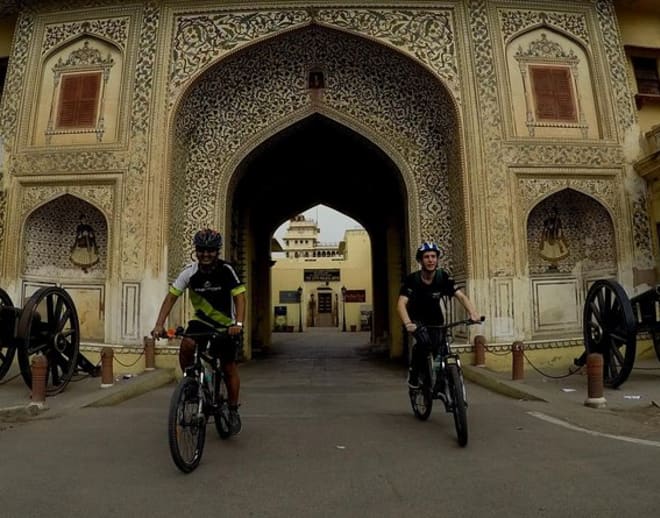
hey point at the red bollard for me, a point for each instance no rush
(39, 369)
(149, 354)
(479, 351)
(517, 371)
(595, 381)
(107, 377)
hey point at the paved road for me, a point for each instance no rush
(327, 433)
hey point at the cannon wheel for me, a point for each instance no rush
(7, 343)
(49, 325)
(609, 329)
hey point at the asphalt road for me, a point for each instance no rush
(326, 433)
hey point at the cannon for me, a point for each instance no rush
(47, 324)
(611, 323)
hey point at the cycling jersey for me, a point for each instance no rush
(211, 293)
(424, 299)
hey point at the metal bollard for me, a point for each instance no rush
(517, 371)
(595, 382)
(149, 354)
(39, 369)
(479, 351)
(107, 376)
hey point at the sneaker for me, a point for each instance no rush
(413, 380)
(234, 422)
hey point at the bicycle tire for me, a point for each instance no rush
(459, 406)
(221, 415)
(186, 426)
(421, 399)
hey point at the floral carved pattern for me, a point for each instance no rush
(514, 21)
(113, 29)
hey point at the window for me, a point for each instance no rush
(79, 99)
(553, 94)
(646, 75)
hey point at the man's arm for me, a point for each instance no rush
(240, 304)
(402, 310)
(467, 304)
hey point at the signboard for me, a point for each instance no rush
(289, 297)
(321, 275)
(356, 296)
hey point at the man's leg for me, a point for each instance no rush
(186, 353)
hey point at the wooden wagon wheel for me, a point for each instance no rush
(7, 342)
(610, 329)
(49, 325)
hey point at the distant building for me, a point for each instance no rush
(313, 281)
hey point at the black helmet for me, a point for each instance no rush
(427, 246)
(207, 238)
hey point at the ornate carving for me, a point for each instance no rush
(68, 162)
(546, 50)
(426, 34)
(201, 38)
(35, 195)
(134, 228)
(113, 29)
(514, 21)
(392, 98)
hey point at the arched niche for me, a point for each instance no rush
(570, 243)
(65, 243)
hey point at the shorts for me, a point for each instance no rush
(225, 346)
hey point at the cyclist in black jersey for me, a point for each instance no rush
(218, 299)
(419, 301)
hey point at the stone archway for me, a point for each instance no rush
(381, 95)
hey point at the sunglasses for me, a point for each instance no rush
(201, 250)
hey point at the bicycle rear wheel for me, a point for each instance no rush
(186, 425)
(459, 406)
(221, 415)
(421, 399)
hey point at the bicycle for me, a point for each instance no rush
(443, 380)
(200, 394)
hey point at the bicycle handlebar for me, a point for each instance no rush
(466, 322)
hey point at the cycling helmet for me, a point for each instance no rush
(207, 238)
(427, 246)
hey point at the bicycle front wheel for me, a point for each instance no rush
(421, 399)
(186, 425)
(459, 406)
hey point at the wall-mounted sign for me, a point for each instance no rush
(322, 275)
(289, 297)
(356, 295)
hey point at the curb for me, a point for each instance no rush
(99, 397)
(137, 386)
(491, 381)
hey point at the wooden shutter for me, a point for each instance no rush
(646, 75)
(79, 96)
(553, 93)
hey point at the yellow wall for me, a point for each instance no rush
(355, 274)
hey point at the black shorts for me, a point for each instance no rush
(225, 346)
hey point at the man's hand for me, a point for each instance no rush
(158, 332)
(411, 327)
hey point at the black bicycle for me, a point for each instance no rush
(200, 395)
(443, 379)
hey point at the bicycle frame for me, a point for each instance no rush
(443, 380)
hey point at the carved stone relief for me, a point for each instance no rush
(389, 94)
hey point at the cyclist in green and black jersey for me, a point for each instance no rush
(218, 298)
(419, 301)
